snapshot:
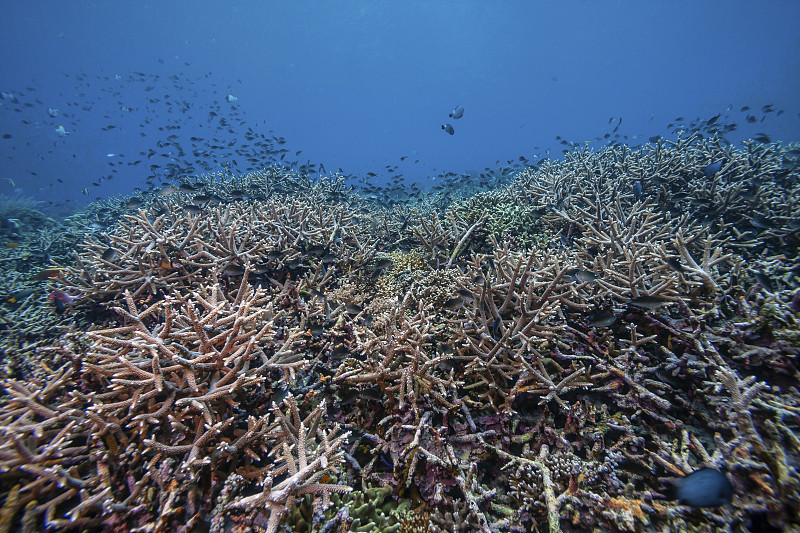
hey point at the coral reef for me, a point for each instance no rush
(269, 352)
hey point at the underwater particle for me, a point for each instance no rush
(230, 98)
(707, 487)
(648, 302)
(600, 319)
(711, 169)
(457, 112)
(448, 128)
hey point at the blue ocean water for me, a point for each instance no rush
(366, 86)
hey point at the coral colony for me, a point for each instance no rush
(608, 342)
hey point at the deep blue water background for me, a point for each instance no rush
(358, 85)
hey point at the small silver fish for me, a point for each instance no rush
(448, 128)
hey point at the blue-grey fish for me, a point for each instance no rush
(448, 128)
(707, 487)
(457, 112)
(637, 190)
(648, 302)
(711, 169)
(600, 319)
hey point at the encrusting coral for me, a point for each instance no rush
(301, 358)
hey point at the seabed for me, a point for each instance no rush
(283, 354)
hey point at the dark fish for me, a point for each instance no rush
(466, 295)
(637, 190)
(109, 255)
(794, 305)
(601, 319)
(6, 136)
(711, 169)
(675, 265)
(193, 209)
(383, 264)
(707, 487)
(61, 300)
(133, 203)
(762, 138)
(453, 304)
(353, 309)
(49, 273)
(581, 275)
(234, 270)
(764, 281)
(260, 269)
(457, 112)
(648, 302)
(448, 128)
(761, 222)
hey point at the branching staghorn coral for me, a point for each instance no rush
(490, 396)
(176, 250)
(402, 362)
(304, 468)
